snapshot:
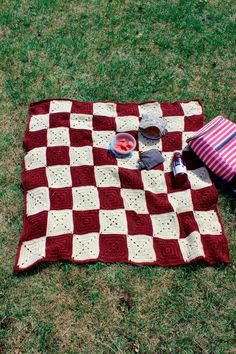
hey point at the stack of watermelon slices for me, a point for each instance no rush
(124, 145)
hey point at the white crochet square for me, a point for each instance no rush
(148, 144)
(81, 121)
(181, 201)
(167, 164)
(59, 176)
(128, 123)
(191, 247)
(107, 176)
(60, 222)
(80, 156)
(104, 109)
(191, 108)
(140, 249)
(39, 122)
(129, 162)
(154, 181)
(153, 109)
(31, 252)
(208, 222)
(113, 221)
(185, 136)
(199, 178)
(57, 106)
(175, 124)
(165, 225)
(85, 247)
(134, 199)
(85, 198)
(102, 139)
(35, 158)
(58, 137)
(37, 200)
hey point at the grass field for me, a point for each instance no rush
(123, 51)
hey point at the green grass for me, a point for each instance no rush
(124, 51)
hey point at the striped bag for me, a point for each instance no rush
(215, 144)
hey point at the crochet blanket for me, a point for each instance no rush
(84, 205)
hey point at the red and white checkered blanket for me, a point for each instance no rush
(84, 205)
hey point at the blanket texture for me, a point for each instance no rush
(84, 205)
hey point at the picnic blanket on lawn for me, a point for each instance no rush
(84, 205)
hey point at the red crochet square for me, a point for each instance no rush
(82, 176)
(159, 167)
(80, 137)
(40, 108)
(104, 123)
(59, 120)
(158, 203)
(82, 107)
(127, 109)
(86, 221)
(215, 248)
(139, 224)
(59, 247)
(168, 252)
(35, 226)
(204, 198)
(171, 109)
(34, 178)
(187, 223)
(171, 183)
(193, 123)
(61, 198)
(35, 139)
(172, 141)
(130, 178)
(113, 248)
(103, 157)
(58, 155)
(110, 198)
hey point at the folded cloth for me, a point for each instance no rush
(150, 159)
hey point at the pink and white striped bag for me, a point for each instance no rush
(215, 144)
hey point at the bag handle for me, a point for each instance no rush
(206, 131)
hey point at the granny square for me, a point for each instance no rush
(35, 158)
(191, 247)
(81, 155)
(59, 222)
(39, 122)
(59, 176)
(141, 249)
(58, 120)
(127, 123)
(37, 200)
(82, 204)
(58, 137)
(102, 138)
(85, 247)
(85, 198)
(58, 155)
(113, 247)
(81, 121)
